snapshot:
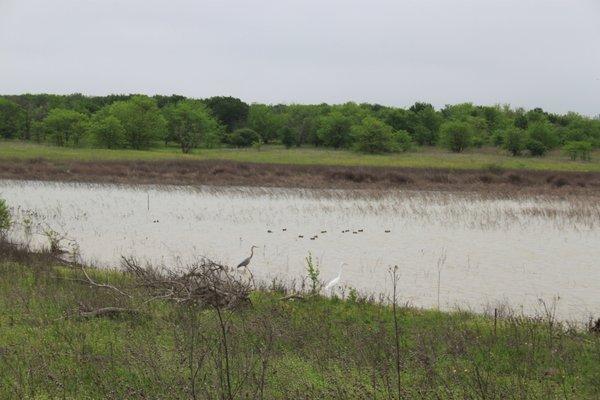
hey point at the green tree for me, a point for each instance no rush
(402, 141)
(12, 119)
(425, 122)
(243, 137)
(579, 149)
(106, 131)
(544, 133)
(263, 120)
(303, 121)
(456, 135)
(230, 111)
(64, 127)
(373, 136)
(514, 140)
(535, 147)
(334, 130)
(141, 120)
(191, 124)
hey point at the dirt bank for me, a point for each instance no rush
(228, 173)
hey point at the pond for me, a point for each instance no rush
(453, 250)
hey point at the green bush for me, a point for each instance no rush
(243, 137)
(578, 149)
(456, 136)
(402, 141)
(513, 140)
(5, 221)
(64, 127)
(373, 136)
(106, 132)
(544, 133)
(536, 148)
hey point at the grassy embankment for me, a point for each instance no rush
(316, 348)
(421, 158)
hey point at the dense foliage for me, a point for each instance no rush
(137, 122)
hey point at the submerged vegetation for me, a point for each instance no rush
(76, 332)
(142, 122)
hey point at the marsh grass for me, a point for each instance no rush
(488, 159)
(316, 348)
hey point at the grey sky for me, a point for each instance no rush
(523, 52)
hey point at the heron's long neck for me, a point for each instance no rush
(251, 252)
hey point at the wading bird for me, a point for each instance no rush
(335, 280)
(247, 260)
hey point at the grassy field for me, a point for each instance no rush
(422, 158)
(313, 349)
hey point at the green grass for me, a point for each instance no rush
(315, 349)
(421, 158)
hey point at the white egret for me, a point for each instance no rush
(335, 280)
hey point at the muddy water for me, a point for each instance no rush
(479, 251)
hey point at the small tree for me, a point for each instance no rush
(513, 140)
(5, 221)
(544, 133)
(64, 127)
(287, 136)
(106, 131)
(578, 149)
(263, 120)
(243, 137)
(12, 119)
(536, 148)
(141, 120)
(190, 124)
(402, 140)
(456, 135)
(373, 136)
(334, 130)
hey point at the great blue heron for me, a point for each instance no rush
(247, 260)
(335, 280)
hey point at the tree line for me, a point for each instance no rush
(141, 122)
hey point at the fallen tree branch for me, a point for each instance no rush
(103, 285)
(107, 312)
(293, 296)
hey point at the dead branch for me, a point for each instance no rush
(205, 283)
(103, 285)
(292, 296)
(107, 312)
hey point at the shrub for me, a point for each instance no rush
(243, 137)
(514, 141)
(5, 221)
(64, 127)
(578, 149)
(334, 130)
(373, 136)
(544, 133)
(536, 148)
(288, 138)
(106, 132)
(402, 140)
(456, 135)
(141, 119)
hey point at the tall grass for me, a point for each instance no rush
(316, 348)
(425, 158)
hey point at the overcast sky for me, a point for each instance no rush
(524, 52)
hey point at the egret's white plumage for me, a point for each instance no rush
(335, 280)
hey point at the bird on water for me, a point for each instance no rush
(246, 262)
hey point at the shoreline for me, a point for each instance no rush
(245, 174)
